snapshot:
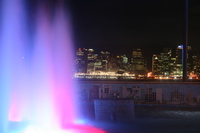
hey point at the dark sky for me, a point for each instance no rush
(121, 25)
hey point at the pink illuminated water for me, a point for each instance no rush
(36, 67)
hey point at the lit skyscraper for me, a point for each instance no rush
(138, 62)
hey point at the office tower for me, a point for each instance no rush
(196, 64)
(102, 61)
(138, 62)
(155, 64)
(105, 59)
(90, 60)
(81, 57)
(178, 64)
(84, 60)
(161, 63)
(122, 62)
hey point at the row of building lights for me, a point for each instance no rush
(164, 66)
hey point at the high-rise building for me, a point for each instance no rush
(196, 64)
(81, 60)
(113, 65)
(105, 59)
(164, 64)
(161, 63)
(172, 66)
(138, 62)
(90, 60)
(122, 62)
(85, 60)
(178, 65)
(124, 59)
(155, 64)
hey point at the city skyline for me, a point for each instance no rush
(145, 53)
(164, 64)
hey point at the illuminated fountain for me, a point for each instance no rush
(36, 91)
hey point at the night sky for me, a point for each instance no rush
(121, 25)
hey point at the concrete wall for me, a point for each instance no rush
(172, 93)
(114, 109)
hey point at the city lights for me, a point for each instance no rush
(90, 65)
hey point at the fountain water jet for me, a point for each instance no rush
(35, 81)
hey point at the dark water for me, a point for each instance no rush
(163, 119)
(151, 119)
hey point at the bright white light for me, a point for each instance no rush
(180, 46)
(34, 129)
(80, 121)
